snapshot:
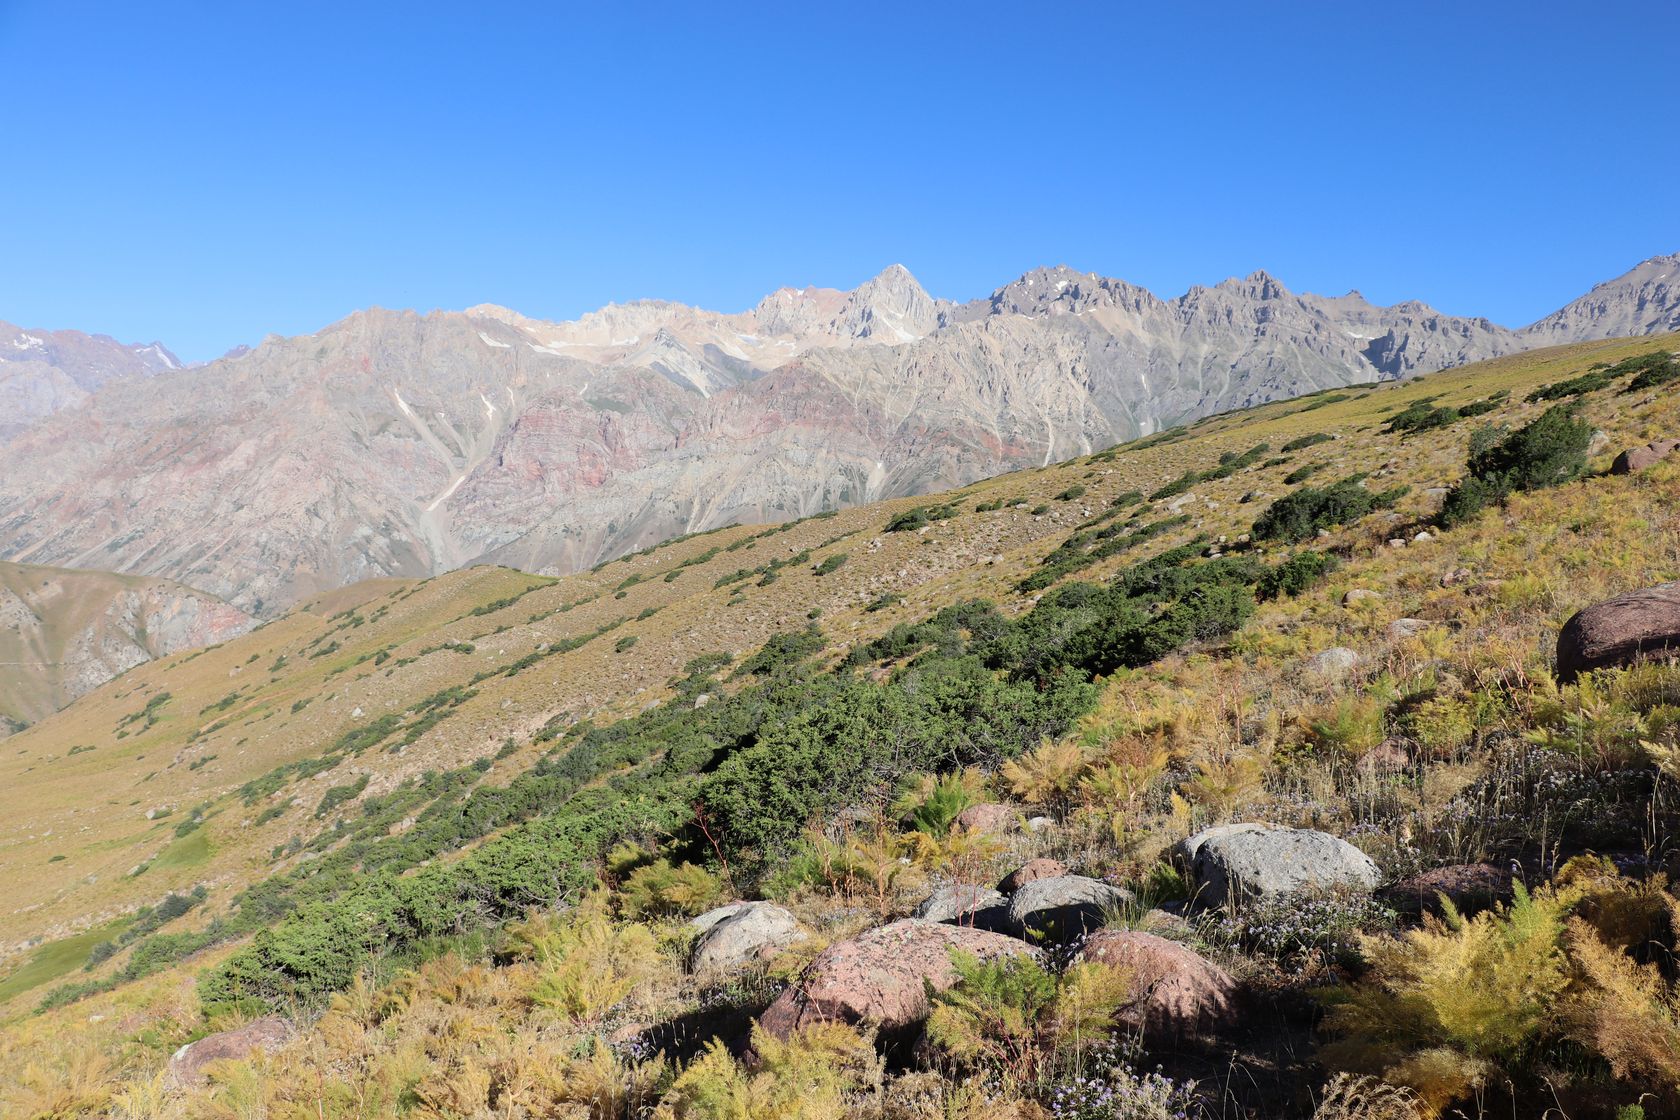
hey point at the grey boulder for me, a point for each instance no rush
(957, 901)
(1064, 906)
(1231, 864)
(755, 932)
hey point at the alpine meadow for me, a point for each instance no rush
(1041, 700)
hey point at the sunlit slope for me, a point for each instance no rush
(392, 679)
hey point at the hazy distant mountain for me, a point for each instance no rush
(44, 371)
(64, 633)
(397, 443)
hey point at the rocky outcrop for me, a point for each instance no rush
(187, 1066)
(1637, 459)
(1030, 871)
(1240, 862)
(1637, 626)
(882, 977)
(1064, 906)
(1176, 993)
(751, 933)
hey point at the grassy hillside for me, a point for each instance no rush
(64, 632)
(479, 742)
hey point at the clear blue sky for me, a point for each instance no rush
(208, 173)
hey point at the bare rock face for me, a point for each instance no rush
(1176, 993)
(1637, 626)
(42, 372)
(1033, 869)
(1638, 459)
(882, 977)
(187, 1065)
(754, 932)
(1240, 862)
(1643, 300)
(396, 444)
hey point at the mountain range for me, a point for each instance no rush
(394, 443)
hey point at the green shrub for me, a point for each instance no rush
(831, 563)
(1298, 516)
(920, 517)
(1303, 442)
(1549, 451)
(1071, 493)
(1573, 387)
(338, 795)
(1295, 575)
(944, 804)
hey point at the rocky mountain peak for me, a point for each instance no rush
(1643, 300)
(892, 307)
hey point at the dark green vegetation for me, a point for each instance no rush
(794, 741)
(1424, 415)
(1229, 464)
(1300, 515)
(1549, 451)
(1658, 367)
(921, 516)
(1089, 546)
(1301, 443)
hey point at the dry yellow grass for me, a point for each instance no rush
(75, 825)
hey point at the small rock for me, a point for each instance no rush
(1029, 871)
(1403, 628)
(1423, 535)
(1638, 459)
(1397, 542)
(1040, 824)
(1337, 661)
(1176, 993)
(356, 712)
(1455, 577)
(1360, 595)
(712, 917)
(187, 1065)
(755, 932)
(956, 901)
(988, 817)
(1256, 861)
(882, 976)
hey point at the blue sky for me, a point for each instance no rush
(206, 174)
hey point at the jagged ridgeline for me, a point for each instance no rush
(453, 830)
